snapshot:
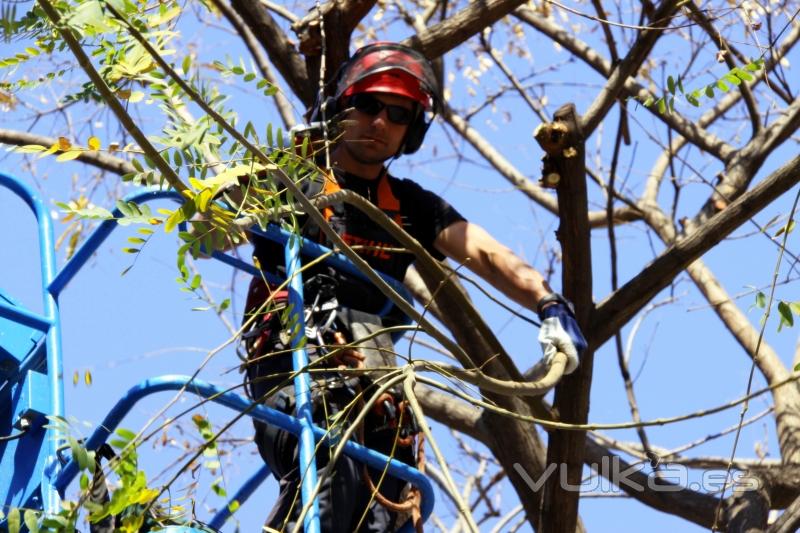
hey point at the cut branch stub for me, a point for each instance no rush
(557, 141)
(563, 143)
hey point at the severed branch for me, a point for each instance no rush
(517, 179)
(339, 18)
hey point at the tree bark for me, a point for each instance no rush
(564, 143)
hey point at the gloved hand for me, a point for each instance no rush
(560, 331)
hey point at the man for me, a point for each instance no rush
(391, 94)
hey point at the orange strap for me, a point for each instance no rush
(387, 201)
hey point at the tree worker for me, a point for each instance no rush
(389, 95)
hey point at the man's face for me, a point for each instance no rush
(372, 139)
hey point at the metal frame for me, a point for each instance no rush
(52, 480)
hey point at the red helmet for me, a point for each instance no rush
(390, 68)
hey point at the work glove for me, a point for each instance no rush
(560, 331)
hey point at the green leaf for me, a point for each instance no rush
(78, 454)
(272, 90)
(233, 506)
(761, 300)
(84, 481)
(742, 74)
(785, 229)
(710, 91)
(733, 79)
(196, 280)
(187, 63)
(671, 84)
(131, 250)
(173, 220)
(250, 76)
(32, 520)
(226, 303)
(722, 86)
(786, 315)
(218, 489)
(126, 434)
(795, 307)
(662, 105)
(13, 520)
(118, 443)
(136, 240)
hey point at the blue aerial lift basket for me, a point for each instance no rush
(31, 384)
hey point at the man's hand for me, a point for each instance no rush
(560, 331)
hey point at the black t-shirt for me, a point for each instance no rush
(423, 214)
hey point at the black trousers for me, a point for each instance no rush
(345, 501)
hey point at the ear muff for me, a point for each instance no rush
(416, 133)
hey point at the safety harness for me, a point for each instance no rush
(390, 412)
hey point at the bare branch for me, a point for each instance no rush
(618, 78)
(696, 135)
(621, 305)
(280, 50)
(446, 35)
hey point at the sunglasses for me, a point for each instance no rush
(369, 105)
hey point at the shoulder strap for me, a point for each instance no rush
(387, 201)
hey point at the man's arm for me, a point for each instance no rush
(493, 262)
(512, 276)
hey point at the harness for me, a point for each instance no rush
(367, 236)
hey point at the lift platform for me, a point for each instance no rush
(31, 382)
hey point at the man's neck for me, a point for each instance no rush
(341, 159)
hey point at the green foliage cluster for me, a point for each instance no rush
(735, 77)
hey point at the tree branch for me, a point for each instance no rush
(97, 159)
(620, 306)
(696, 135)
(281, 102)
(625, 69)
(280, 50)
(446, 35)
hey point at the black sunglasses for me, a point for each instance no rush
(369, 105)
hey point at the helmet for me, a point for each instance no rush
(391, 68)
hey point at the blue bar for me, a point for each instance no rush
(302, 386)
(25, 317)
(100, 234)
(338, 261)
(258, 412)
(241, 496)
(52, 502)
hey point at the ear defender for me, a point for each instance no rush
(416, 133)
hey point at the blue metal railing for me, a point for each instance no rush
(54, 480)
